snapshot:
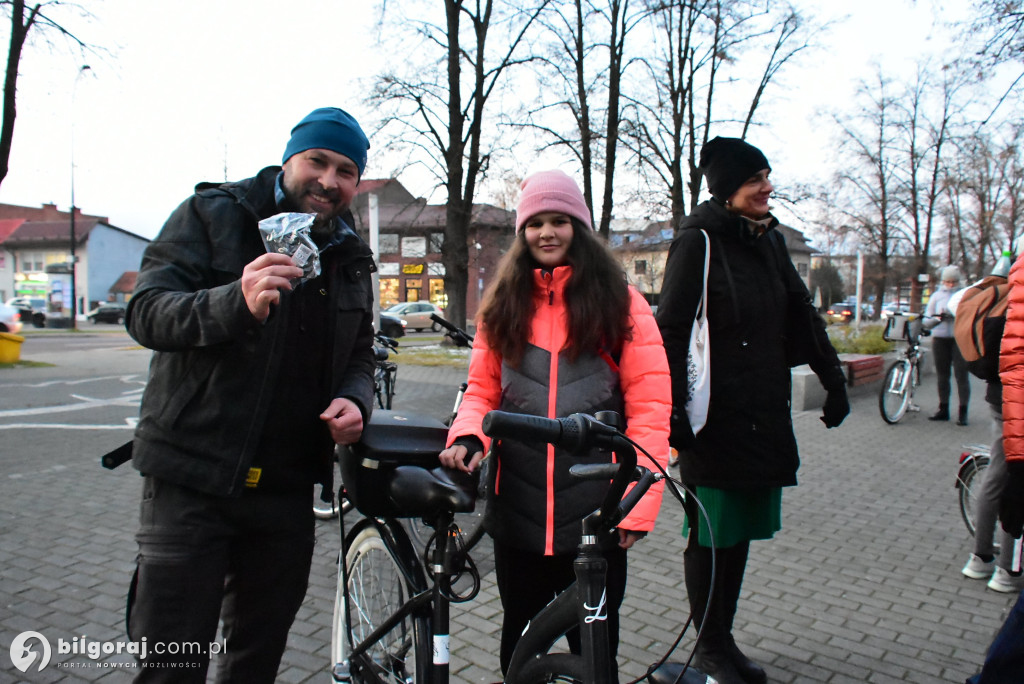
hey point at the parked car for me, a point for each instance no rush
(417, 315)
(10, 319)
(110, 312)
(33, 310)
(391, 325)
(841, 312)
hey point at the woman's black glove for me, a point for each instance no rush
(1011, 503)
(836, 408)
(681, 435)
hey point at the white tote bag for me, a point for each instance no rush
(698, 357)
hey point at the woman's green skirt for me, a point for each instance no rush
(737, 515)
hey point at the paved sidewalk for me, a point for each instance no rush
(862, 584)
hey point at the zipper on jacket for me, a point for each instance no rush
(549, 520)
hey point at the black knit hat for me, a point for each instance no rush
(727, 163)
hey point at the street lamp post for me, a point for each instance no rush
(71, 269)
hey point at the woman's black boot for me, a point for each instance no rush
(941, 414)
(962, 417)
(712, 655)
(733, 565)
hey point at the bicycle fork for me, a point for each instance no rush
(899, 380)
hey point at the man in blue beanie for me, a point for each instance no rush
(255, 377)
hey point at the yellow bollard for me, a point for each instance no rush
(10, 347)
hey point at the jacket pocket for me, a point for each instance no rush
(194, 378)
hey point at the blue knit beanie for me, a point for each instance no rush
(329, 128)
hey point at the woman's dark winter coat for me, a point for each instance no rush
(760, 321)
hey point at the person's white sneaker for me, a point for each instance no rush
(977, 568)
(1005, 582)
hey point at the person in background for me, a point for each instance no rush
(948, 359)
(255, 377)
(761, 322)
(984, 562)
(559, 331)
(1004, 661)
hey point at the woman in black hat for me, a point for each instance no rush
(761, 322)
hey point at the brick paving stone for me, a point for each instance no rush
(862, 584)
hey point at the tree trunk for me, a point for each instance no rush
(19, 31)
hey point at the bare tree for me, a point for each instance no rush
(999, 24)
(440, 111)
(699, 46)
(920, 143)
(867, 182)
(589, 60)
(984, 199)
(23, 19)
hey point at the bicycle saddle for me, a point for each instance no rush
(668, 673)
(417, 491)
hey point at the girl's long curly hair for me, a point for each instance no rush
(596, 296)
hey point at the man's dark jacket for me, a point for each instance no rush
(215, 366)
(760, 317)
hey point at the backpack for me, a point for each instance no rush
(978, 327)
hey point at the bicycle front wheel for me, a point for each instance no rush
(894, 397)
(553, 667)
(969, 481)
(376, 589)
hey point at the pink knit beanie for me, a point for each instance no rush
(551, 191)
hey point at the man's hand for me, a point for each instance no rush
(455, 457)
(263, 279)
(344, 420)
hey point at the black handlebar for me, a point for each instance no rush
(577, 434)
(389, 342)
(460, 337)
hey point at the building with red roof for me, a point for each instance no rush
(35, 255)
(411, 233)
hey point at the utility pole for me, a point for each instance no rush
(74, 259)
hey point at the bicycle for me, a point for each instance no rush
(470, 523)
(391, 611)
(896, 397)
(385, 376)
(582, 605)
(973, 463)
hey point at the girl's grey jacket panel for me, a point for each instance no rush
(759, 313)
(213, 368)
(520, 504)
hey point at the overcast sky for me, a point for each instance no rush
(196, 85)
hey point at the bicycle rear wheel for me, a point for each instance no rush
(894, 397)
(376, 589)
(969, 480)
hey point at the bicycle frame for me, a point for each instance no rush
(392, 609)
(429, 600)
(428, 597)
(583, 604)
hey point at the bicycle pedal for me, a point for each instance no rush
(913, 409)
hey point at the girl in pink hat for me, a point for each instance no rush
(559, 331)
